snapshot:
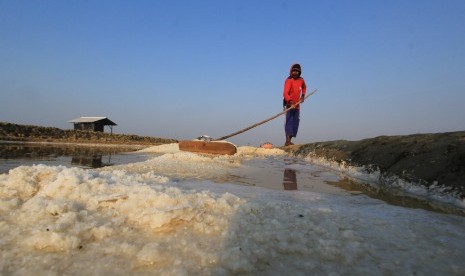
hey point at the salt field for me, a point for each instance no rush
(258, 212)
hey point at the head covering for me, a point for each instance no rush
(295, 67)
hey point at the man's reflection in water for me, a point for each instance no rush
(290, 179)
(93, 161)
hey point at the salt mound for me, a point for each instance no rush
(166, 148)
(177, 164)
(247, 150)
(183, 164)
(56, 220)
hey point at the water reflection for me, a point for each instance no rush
(290, 179)
(397, 197)
(13, 154)
(290, 175)
(39, 151)
(94, 161)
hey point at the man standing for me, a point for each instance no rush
(294, 91)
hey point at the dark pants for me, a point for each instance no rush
(292, 122)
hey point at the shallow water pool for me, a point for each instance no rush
(15, 154)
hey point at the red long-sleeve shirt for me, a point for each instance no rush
(294, 89)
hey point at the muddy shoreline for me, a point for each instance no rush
(30, 133)
(427, 159)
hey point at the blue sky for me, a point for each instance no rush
(180, 69)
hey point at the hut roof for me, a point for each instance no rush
(105, 120)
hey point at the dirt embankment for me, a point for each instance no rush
(27, 133)
(422, 158)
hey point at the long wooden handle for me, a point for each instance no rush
(266, 120)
